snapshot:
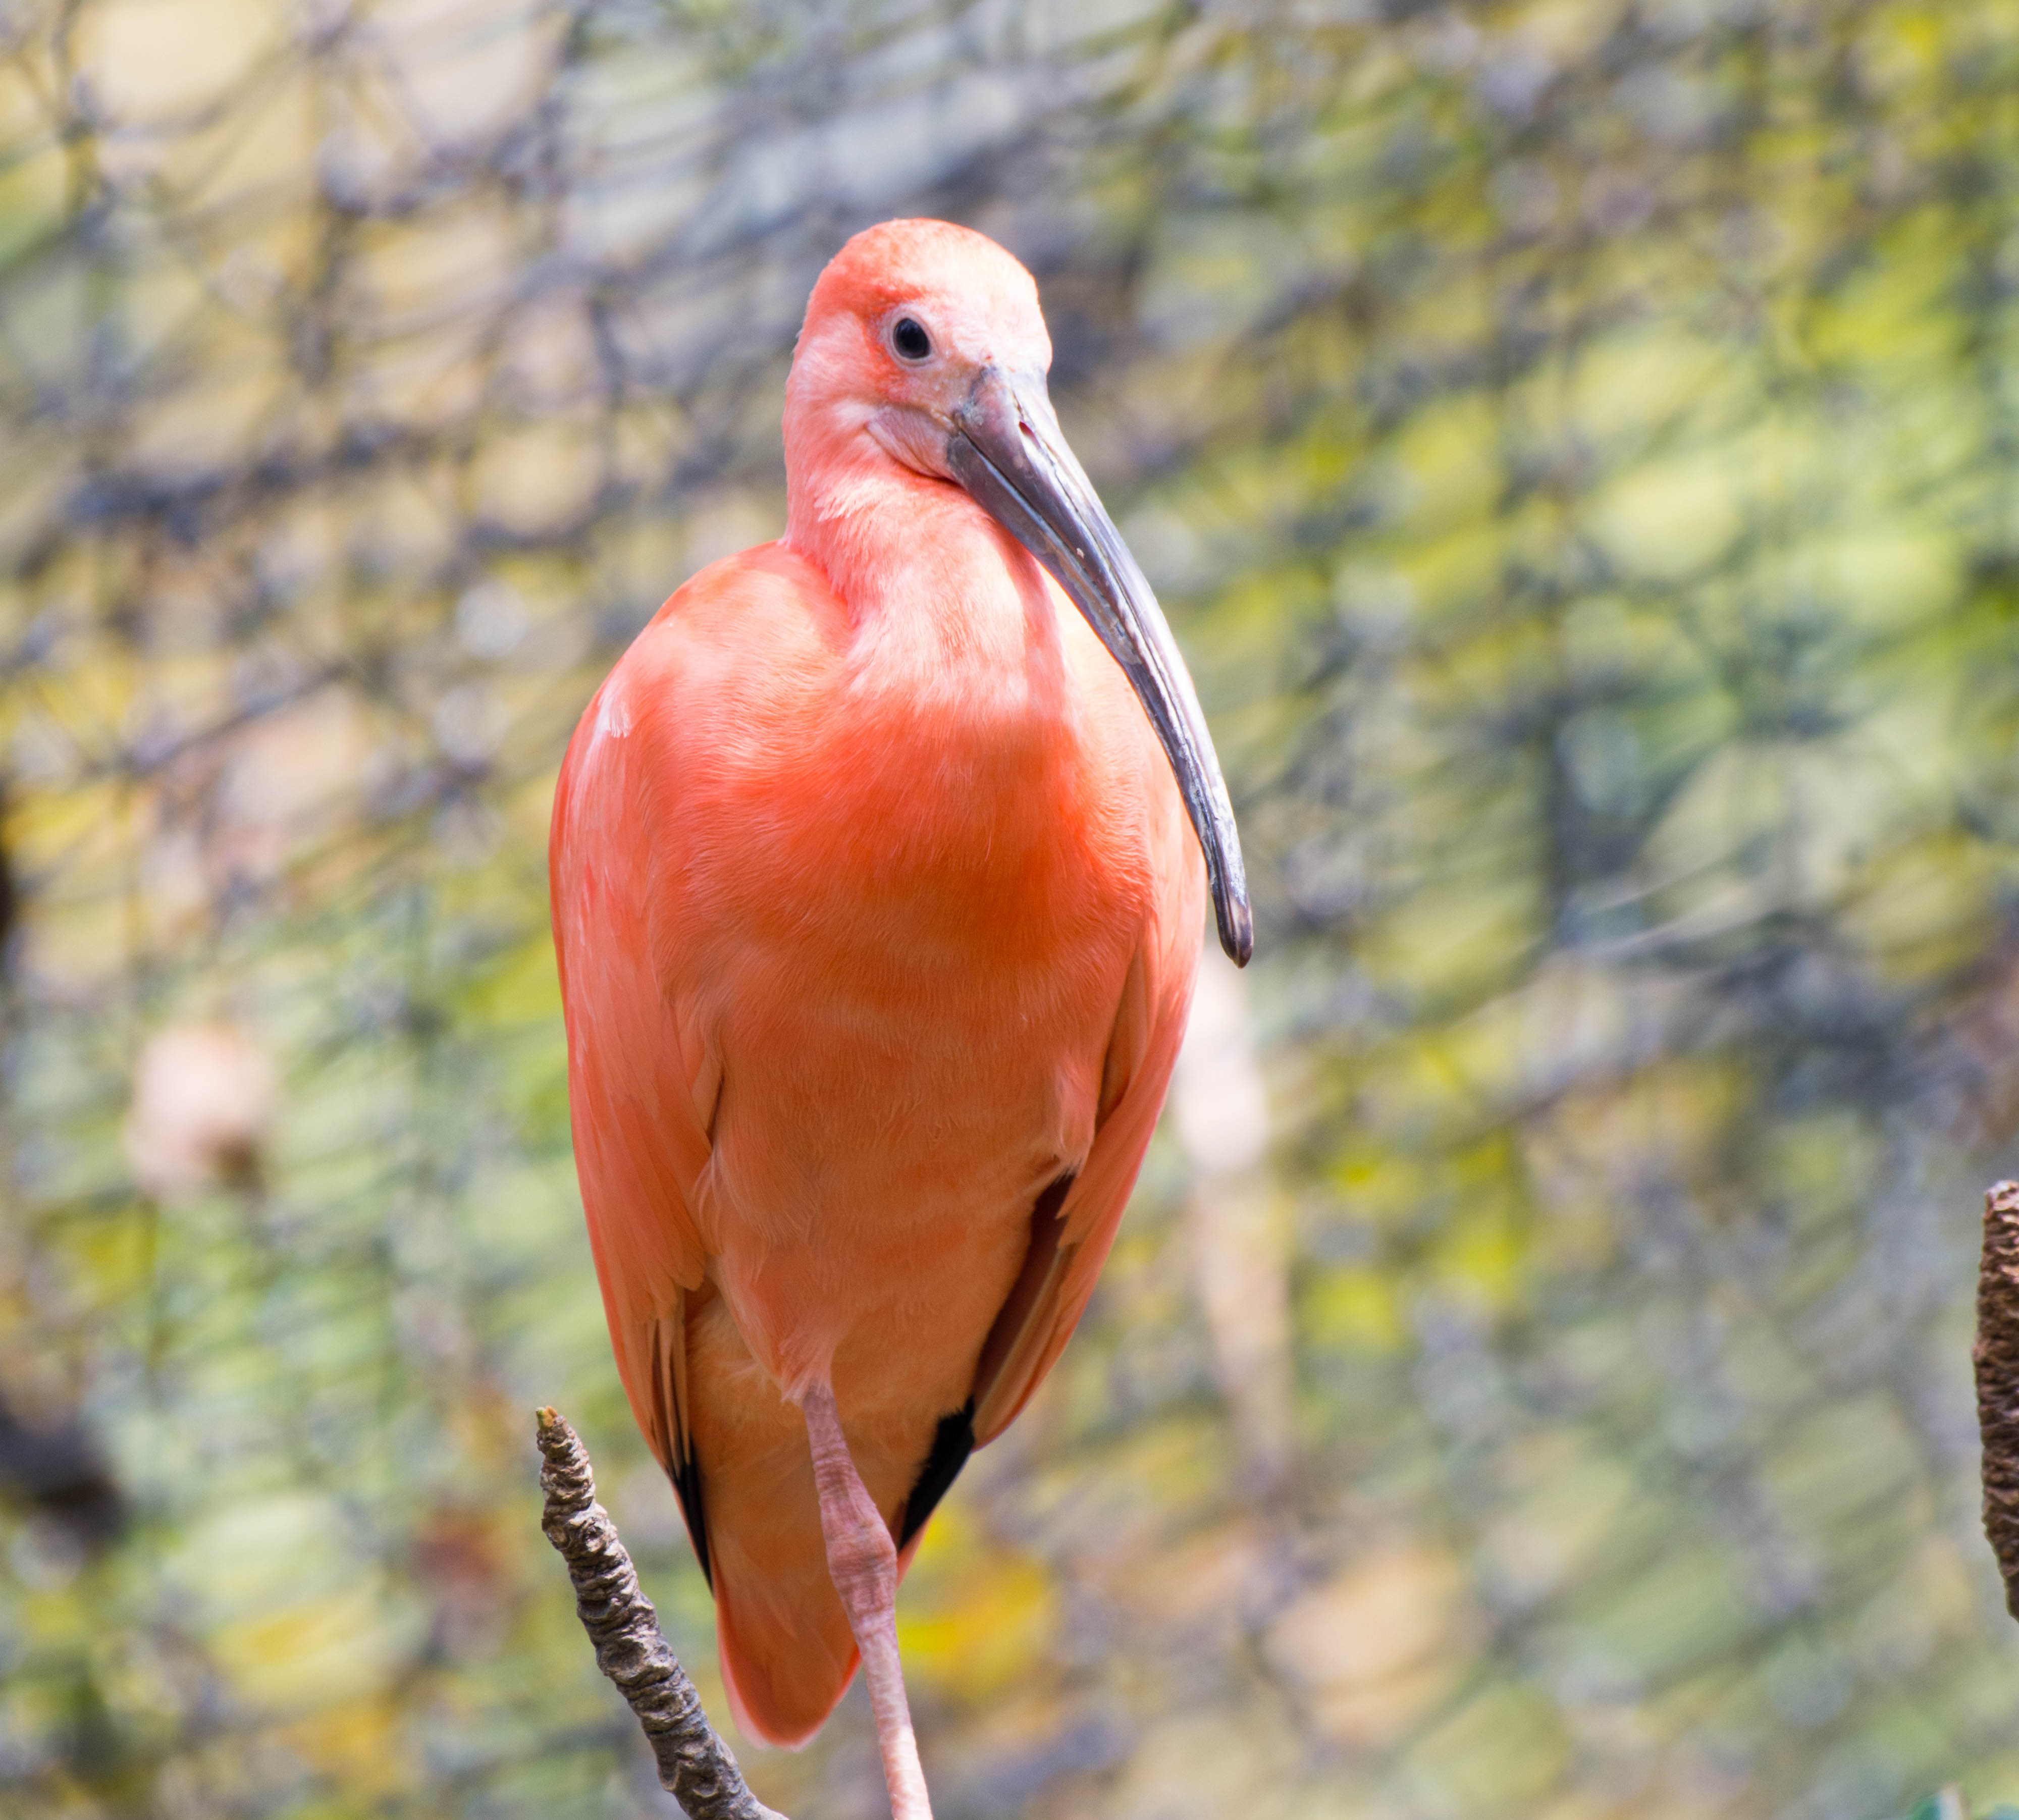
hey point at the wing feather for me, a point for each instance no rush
(1071, 1239)
(640, 1087)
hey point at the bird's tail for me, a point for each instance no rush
(786, 1651)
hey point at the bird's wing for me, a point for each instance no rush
(644, 1073)
(1074, 1221)
(641, 1081)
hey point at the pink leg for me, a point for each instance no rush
(862, 1562)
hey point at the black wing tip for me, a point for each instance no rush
(953, 1441)
(685, 1473)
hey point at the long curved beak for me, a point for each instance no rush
(1007, 450)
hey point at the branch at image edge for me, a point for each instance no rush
(696, 1767)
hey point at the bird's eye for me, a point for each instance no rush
(909, 338)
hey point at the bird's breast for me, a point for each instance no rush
(975, 793)
(920, 917)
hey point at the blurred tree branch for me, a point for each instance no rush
(695, 1766)
(1996, 1358)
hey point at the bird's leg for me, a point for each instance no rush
(862, 1562)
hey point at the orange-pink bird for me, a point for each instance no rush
(877, 915)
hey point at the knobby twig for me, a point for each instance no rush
(695, 1766)
(1996, 1357)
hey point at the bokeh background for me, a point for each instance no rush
(1575, 442)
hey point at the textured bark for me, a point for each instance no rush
(695, 1766)
(1996, 1356)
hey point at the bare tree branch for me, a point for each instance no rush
(695, 1766)
(1996, 1357)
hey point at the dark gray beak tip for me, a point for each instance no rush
(1237, 930)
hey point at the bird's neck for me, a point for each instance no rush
(940, 597)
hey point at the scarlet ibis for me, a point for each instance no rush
(878, 916)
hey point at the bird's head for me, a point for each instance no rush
(924, 343)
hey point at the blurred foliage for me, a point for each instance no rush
(1575, 440)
